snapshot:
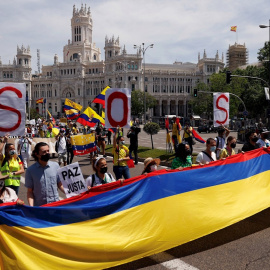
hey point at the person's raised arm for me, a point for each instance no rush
(30, 196)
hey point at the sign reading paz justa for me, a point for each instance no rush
(12, 108)
(72, 179)
(221, 109)
(118, 107)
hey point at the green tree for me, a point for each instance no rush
(151, 129)
(34, 114)
(137, 102)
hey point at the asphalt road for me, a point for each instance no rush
(244, 245)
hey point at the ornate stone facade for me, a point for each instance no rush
(82, 74)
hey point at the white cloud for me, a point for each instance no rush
(179, 29)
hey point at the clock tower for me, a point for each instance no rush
(81, 48)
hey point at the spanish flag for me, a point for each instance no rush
(113, 224)
(101, 97)
(233, 28)
(40, 100)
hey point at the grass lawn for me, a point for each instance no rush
(145, 152)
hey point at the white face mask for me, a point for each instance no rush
(2, 183)
(153, 168)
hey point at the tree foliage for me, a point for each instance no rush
(151, 129)
(137, 102)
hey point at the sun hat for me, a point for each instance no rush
(149, 161)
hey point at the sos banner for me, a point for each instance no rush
(221, 109)
(12, 108)
(118, 107)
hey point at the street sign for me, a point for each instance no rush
(245, 113)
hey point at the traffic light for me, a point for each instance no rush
(228, 77)
(195, 92)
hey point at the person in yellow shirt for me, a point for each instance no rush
(11, 168)
(229, 149)
(176, 128)
(120, 157)
(187, 136)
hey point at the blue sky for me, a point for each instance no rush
(179, 29)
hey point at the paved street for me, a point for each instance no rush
(244, 245)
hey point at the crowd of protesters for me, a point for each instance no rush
(42, 181)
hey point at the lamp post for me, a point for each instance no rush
(268, 26)
(143, 49)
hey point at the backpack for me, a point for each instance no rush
(57, 144)
(94, 178)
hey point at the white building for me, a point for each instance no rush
(82, 74)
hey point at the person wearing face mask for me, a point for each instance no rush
(12, 168)
(209, 154)
(120, 158)
(8, 194)
(264, 136)
(182, 158)
(150, 165)
(61, 147)
(223, 132)
(41, 179)
(101, 175)
(229, 149)
(251, 142)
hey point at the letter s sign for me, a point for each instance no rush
(221, 109)
(13, 116)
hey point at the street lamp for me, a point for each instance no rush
(268, 26)
(143, 51)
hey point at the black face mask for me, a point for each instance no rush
(45, 157)
(188, 152)
(254, 139)
(233, 145)
(103, 170)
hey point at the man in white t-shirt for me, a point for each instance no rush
(24, 149)
(209, 155)
(61, 147)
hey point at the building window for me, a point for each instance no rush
(79, 91)
(55, 107)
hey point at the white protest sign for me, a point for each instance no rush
(32, 122)
(221, 109)
(72, 179)
(118, 107)
(12, 108)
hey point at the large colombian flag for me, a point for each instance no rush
(115, 224)
(90, 118)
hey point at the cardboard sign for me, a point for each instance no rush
(118, 107)
(12, 108)
(221, 109)
(72, 179)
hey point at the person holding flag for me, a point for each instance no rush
(120, 157)
(176, 128)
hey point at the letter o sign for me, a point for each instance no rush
(111, 98)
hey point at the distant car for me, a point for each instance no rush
(207, 129)
(204, 128)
